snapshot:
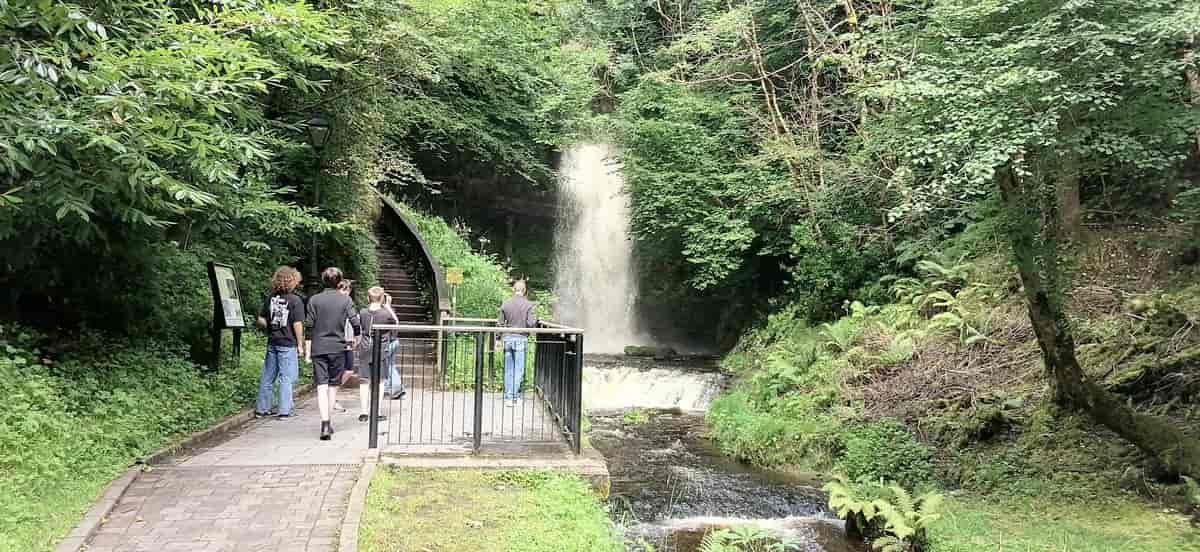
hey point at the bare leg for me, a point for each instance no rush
(364, 397)
(333, 389)
(323, 401)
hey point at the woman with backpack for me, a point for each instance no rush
(377, 311)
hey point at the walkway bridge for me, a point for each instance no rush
(453, 368)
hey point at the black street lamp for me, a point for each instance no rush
(318, 137)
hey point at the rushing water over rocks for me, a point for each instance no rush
(593, 258)
(616, 382)
(670, 485)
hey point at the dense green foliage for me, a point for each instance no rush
(78, 420)
(140, 140)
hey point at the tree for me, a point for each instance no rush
(1028, 98)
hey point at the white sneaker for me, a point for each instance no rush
(338, 407)
(510, 403)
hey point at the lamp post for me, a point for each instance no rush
(318, 137)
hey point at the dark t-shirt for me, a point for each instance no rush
(328, 312)
(282, 311)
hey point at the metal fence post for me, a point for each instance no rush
(576, 412)
(479, 354)
(376, 365)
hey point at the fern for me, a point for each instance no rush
(897, 520)
(1192, 492)
(746, 538)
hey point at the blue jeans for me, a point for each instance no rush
(389, 367)
(281, 362)
(514, 364)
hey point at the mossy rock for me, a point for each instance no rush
(650, 351)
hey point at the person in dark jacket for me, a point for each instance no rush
(328, 314)
(516, 312)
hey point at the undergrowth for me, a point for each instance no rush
(76, 420)
(942, 388)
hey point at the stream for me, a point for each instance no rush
(670, 485)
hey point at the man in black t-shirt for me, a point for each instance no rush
(328, 313)
(282, 316)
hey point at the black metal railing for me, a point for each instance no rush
(454, 377)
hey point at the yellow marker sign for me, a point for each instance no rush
(454, 275)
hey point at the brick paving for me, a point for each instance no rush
(272, 487)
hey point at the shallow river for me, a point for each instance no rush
(670, 485)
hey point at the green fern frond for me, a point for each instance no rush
(904, 500)
(931, 503)
(888, 543)
(1193, 491)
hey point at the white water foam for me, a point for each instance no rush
(594, 273)
(613, 388)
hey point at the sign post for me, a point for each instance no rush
(227, 309)
(454, 277)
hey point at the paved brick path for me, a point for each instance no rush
(272, 487)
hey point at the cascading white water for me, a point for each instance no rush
(595, 280)
(619, 387)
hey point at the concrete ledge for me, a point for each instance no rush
(223, 428)
(348, 536)
(99, 511)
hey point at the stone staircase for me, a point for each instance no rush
(407, 300)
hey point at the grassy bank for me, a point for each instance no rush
(943, 390)
(1114, 523)
(77, 419)
(470, 510)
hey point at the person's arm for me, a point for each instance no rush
(355, 323)
(295, 314)
(531, 317)
(310, 319)
(261, 321)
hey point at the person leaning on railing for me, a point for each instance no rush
(516, 312)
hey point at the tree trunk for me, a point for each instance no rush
(1035, 250)
(1070, 214)
(1193, 78)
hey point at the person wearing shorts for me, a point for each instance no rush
(376, 312)
(326, 319)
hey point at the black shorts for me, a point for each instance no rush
(328, 368)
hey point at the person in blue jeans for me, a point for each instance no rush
(516, 312)
(282, 316)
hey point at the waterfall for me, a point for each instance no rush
(594, 273)
(618, 387)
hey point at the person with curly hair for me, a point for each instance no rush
(282, 317)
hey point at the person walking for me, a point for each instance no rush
(516, 312)
(348, 377)
(328, 314)
(376, 312)
(282, 316)
(395, 386)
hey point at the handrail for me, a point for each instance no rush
(441, 297)
(412, 328)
